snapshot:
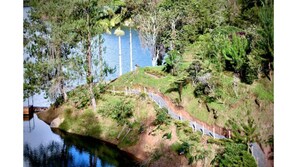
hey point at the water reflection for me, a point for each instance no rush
(100, 153)
(29, 123)
(53, 154)
(52, 147)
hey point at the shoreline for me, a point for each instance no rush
(112, 143)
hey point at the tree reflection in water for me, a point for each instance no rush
(73, 151)
(54, 154)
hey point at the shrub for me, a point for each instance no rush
(234, 154)
(172, 62)
(162, 117)
(248, 74)
(80, 97)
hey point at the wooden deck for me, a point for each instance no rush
(29, 110)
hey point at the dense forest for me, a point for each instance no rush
(213, 59)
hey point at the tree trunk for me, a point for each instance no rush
(65, 97)
(120, 56)
(89, 58)
(100, 58)
(131, 65)
(180, 89)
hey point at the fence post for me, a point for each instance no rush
(229, 134)
(126, 91)
(113, 90)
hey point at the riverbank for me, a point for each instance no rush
(147, 141)
(134, 123)
(151, 148)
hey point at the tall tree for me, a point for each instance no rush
(118, 32)
(150, 23)
(129, 23)
(48, 46)
(85, 18)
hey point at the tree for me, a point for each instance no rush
(150, 22)
(178, 84)
(118, 32)
(266, 42)
(244, 132)
(86, 19)
(234, 155)
(48, 47)
(172, 62)
(130, 23)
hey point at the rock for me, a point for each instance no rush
(56, 123)
(204, 79)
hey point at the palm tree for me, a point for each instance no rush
(178, 84)
(243, 132)
(118, 32)
(129, 23)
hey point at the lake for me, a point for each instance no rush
(44, 146)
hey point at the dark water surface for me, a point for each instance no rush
(44, 147)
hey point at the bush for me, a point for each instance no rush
(162, 117)
(234, 154)
(248, 74)
(120, 110)
(172, 62)
(80, 97)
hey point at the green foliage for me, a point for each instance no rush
(178, 84)
(80, 97)
(200, 90)
(162, 117)
(154, 72)
(264, 93)
(172, 62)
(244, 132)
(192, 151)
(234, 155)
(99, 89)
(194, 71)
(167, 135)
(119, 110)
(266, 21)
(234, 52)
(248, 73)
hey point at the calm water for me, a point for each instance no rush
(44, 146)
(141, 57)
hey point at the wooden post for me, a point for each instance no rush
(126, 91)
(113, 90)
(121, 132)
(229, 134)
(213, 132)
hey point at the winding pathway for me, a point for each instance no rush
(254, 147)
